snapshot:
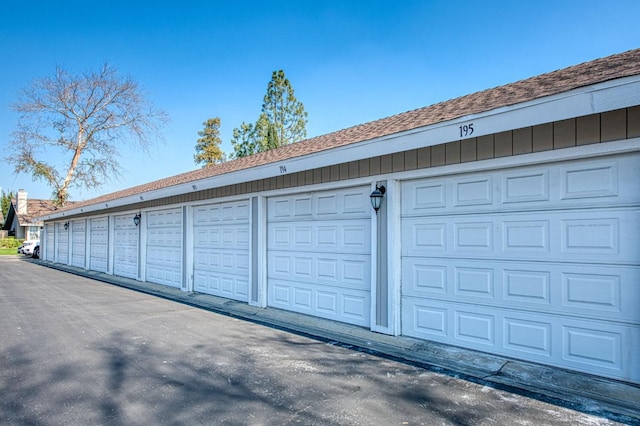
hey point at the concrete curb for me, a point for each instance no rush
(612, 399)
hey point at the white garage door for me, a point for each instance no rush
(221, 249)
(99, 244)
(164, 247)
(126, 240)
(50, 233)
(78, 242)
(538, 263)
(62, 243)
(319, 254)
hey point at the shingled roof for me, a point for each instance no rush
(612, 67)
(36, 209)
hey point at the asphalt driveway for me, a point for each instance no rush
(75, 351)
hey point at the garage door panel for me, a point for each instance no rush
(221, 249)
(164, 276)
(228, 261)
(222, 236)
(582, 344)
(62, 243)
(539, 262)
(164, 255)
(99, 244)
(164, 218)
(222, 213)
(593, 235)
(325, 301)
(557, 186)
(319, 254)
(126, 241)
(165, 237)
(577, 184)
(164, 262)
(78, 244)
(599, 179)
(602, 348)
(231, 286)
(50, 236)
(325, 205)
(329, 269)
(530, 335)
(528, 188)
(572, 289)
(321, 236)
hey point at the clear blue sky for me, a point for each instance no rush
(349, 62)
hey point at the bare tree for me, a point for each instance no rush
(70, 128)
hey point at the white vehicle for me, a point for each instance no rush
(29, 245)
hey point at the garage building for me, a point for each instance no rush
(509, 223)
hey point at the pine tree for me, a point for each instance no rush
(5, 202)
(283, 110)
(208, 150)
(244, 141)
(272, 137)
(282, 121)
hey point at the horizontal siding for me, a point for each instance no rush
(613, 125)
(595, 128)
(633, 122)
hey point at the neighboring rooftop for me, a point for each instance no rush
(600, 70)
(36, 209)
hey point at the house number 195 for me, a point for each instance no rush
(466, 130)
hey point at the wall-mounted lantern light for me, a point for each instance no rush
(136, 219)
(376, 197)
(66, 226)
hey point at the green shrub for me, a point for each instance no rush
(10, 242)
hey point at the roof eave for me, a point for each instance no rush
(600, 97)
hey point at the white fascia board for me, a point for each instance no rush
(594, 99)
(598, 98)
(602, 97)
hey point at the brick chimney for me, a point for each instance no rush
(22, 202)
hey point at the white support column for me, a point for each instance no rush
(87, 243)
(394, 256)
(142, 246)
(187, 248)
(374, 266)
(50, 231)
(56, 239)
(43, 241)
(258, 251)
(69, 242)
(385, 261)
(111, 246)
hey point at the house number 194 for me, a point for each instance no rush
(466, 130)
